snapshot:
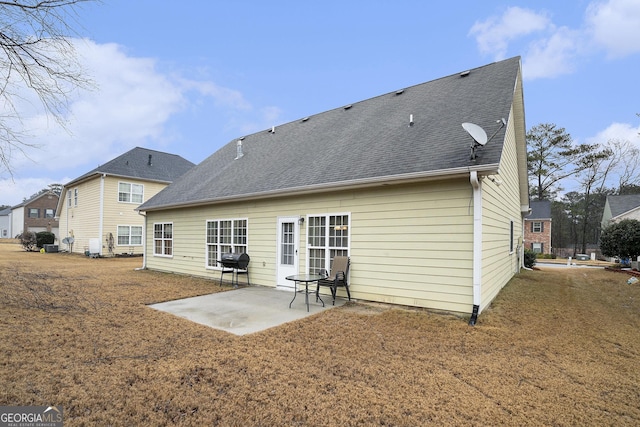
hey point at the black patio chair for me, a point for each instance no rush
(338, 277)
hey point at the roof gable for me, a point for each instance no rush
(144, 164)
(540, 209)
(414, 132)
(622, 204)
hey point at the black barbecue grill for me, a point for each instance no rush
(235, 264)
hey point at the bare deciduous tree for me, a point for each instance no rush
(37, 61)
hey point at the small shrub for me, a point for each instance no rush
(28, 240)
(45, 238)
(529, 258)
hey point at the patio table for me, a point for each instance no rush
(306, 279)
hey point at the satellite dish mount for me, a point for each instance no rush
(479, 135)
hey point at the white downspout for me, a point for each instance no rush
(144, 243)
(477, 245)
(101, 216)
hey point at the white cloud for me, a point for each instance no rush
(15, 191)
(615, 26)
(133, 104)
(130, 106)
(494, 35)
(553, 56)
(549, 50)
(617, 132)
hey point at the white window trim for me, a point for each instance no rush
(162, 255)
(130, 184)
(130, 227)
(533, 227)
(75, 196)
(327, 247)
(206, 245)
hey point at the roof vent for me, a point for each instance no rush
(239, 152)
(400, 92)
(346, 107)
(272, 130)
(149, 162)
(465, 73)
(410, 119)
(304, 119)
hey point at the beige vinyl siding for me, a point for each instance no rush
(84, 219)
(409, 244)
(81, 220)
(117, 213)
(501, 204)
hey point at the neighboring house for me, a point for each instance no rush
(97, 209)
(388, 181)
(537, 227)
(36, 214)
(5, 224)
(617, 208)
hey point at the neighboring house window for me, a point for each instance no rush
(130, 193)
(68, 198)
(225, 236)
(34, 213)
(75, 197)
(49, 213)
(537, 227)
(328, 236)
(537, 247)
(510, 236)
(130, 235)
(163, 239)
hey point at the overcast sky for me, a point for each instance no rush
(188, 77)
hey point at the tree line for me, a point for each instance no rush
(577, 178)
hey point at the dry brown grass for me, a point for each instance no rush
(556, 348)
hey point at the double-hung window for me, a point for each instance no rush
(69, 198)
(537, 227)
(130, 235)
(163, 239)
(225, 236)
(34, 213)
(75, 197)
(328, 237)
(130, 193)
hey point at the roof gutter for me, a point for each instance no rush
(476, 184)
(461, 172)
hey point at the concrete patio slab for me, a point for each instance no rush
(246, 310)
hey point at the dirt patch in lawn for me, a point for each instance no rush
(557, 347)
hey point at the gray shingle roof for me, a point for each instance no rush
(164, 167)
(622, 204)
(370, 140)
(540, 209)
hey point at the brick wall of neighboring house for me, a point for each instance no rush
(39, 214)
(542, 237)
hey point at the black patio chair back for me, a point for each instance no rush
(339, 277)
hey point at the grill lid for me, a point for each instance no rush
(230, 260)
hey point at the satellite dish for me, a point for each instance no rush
(477, 133)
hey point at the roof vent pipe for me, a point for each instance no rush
(239, 152)
(410, 119)
(149, 162)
